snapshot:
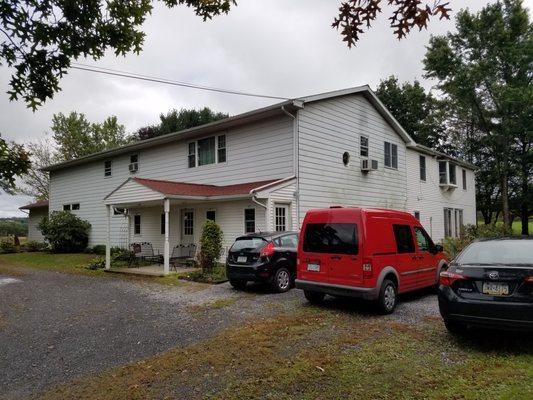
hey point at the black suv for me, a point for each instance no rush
(268, 257)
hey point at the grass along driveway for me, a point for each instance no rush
(325, 353)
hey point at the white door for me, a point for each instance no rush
(187, 226)
(281, 217)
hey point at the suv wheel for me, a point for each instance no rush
(314, 297)
(239, 285)
(456, 328)
(388, 297)
(281, 282)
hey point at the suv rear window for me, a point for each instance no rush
(331, 238)
(248, 244)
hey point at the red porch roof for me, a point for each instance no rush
(37, 204)
(194, 189)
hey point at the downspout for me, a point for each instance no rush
(296, 159)
(254, 199)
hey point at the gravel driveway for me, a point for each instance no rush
(55, 326)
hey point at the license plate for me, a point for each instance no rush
(313, 267)
(495, 289)
(242, 259)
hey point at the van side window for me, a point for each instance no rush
(424, 241)
(331, 238)
(404, 238)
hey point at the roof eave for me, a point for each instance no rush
(423, 149)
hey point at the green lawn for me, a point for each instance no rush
(70, 263)
(516, 226)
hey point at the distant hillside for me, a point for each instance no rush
(14, 226)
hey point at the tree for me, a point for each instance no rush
(210, 245)
(65, 232)
(43, 37)
(419, 113)
(485, 70)
(14, 161)
(175, 121)
(36, 182)
(76, 136)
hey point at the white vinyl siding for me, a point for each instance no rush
(35, 217)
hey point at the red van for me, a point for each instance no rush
(372, 254)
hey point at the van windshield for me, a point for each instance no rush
(248, 244)
(331, 238)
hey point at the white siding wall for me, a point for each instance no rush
(34, 218)
(282, 196)
(258, 151)
(329, 128)
(229, 215)
(428, 198)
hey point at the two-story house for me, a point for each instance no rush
(262, 170)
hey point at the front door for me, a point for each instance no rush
(187, 226)
(281, 217)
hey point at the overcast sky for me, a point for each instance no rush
(275, 47)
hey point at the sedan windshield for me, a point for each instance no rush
(248, 244)
(505, 252)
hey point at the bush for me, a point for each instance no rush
(98, 249)
(96, 263)
(65, 232)
(453, 246)
(32, 245)
(210, 245)
(7, 246)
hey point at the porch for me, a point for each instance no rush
(150, 270)
(170, 215)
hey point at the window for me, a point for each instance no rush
(137, 224)
(134, 158)
(422, 168)
(404, 238)
(448, 222)
(364, 146)
(391, 155)
(188, 223)
(458, 220)
(66, 207)
(424, 241)
(443, 176)
(249, 220)
(192, 155)
(211, 215)
(290, 241)
(75, 206)
(331, 238)
(207, 151)
(107, 168)
(163, 224)
(453, 178)
(464, 179)
(280, 222)
(118, 211)
(417, 215)
(221, 146)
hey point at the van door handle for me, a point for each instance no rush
(335, 257)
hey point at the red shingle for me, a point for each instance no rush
(37, 204)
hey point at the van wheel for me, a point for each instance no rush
(455, 328)
(388, 297)
(314, 297)
(239, 285)
(282, 280)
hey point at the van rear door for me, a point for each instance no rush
(313, 259)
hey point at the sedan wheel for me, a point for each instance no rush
(282, 280)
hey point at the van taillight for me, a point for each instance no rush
(268, 250)
(367, 268)
(448, 278)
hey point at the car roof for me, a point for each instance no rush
(268, 234)
(495, 239)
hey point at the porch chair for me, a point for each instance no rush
(182, 255)
(145, 251)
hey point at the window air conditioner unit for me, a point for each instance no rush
(365, 165)
(133, 167)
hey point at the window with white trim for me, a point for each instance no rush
(363, 146)
(221, 148)
(188, 223)
(137, 224)
(192, 155)
(211, 215)
(281, 213)
(452, 174)
(107, 168)
(249, 220)
(391, 155)
(209, 150)
(464, 179)
(422, 161)
(443, 172)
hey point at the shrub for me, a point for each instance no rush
(210, 245)
(453, 246)
(65, 232)
(32, 245)
(96, 263)
(7, 246)
(98, 249)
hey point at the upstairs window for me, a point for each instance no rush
(207, 151)
(249, 220)
(134, 158)
(422, 168)
(363, 146)
(453, 177)
(443, 175)
(391, 155)
(107, 168)
(464, 179)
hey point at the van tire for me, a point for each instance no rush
(314, 297)
(282, 281)
(388, 297)
(239, 285)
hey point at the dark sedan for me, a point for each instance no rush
(489, 284)
(268, 257)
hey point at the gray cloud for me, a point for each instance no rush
(276, 47)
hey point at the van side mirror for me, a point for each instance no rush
(438, 248)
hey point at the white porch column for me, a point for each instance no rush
(166, 251)
(108, 241)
